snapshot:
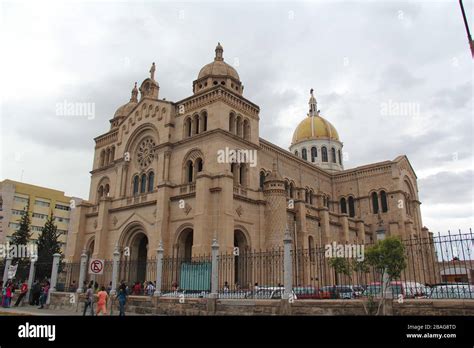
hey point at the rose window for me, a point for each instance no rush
(145, 152)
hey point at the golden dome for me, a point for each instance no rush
(314, 127)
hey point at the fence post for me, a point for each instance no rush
(214, 268)
(8, 263)
(159, 269)
(115, 267)
(54, 276)
(82, 272)
(31, 276)
(287, 264)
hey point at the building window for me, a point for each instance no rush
(375, 203)
(143, 184)
(21, 199)
(188, 127)
(296, 153)
(242, 174)
(333, 155)
(135, 184)
(292, 191)
(383, 200)
(304, 155)
(189, 171)
(62, 207)
(262, 179)
(340, 157)
(351, 206)
(151, 179)
(314, 154)
(198, 165)
(42, 203)
(311, 197)
(311, 248)
(343, 206)
(324, 154)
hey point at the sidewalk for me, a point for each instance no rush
(33, 310)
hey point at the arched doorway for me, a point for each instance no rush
(138, 256)
(134, 255)
(185, 244)
(241, 262)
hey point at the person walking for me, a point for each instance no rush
(122, 299)
(35, 293)
(23, 291)
(89, 302)
(44, 295)
(7, 294)
(102, 301)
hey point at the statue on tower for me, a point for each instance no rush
(152, 71)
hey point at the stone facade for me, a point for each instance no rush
(157, 176)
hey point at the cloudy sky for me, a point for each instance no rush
(393, 77)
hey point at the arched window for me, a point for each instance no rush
(188, 127)
(151, 179)
(304, 154)
(375, 203)
(324, 154)
(328, 201)
(243, 173)
(333, 155)
(287, 189)
(232, 123)
(135, 184)
(101, 191)
(306, 196)
(340, 157)
(198, 165)
(204, 121)
(196, 124)
(351, 206)
(343, 206)
(112, 154)
(292, 191)
(262, 179)
(311, 248)
(235, 172)
(296, 153)
(102, 158)
(383, 200)
(106, 190)
(311, 197)
(143, 184)
(189, 171)
(314, 154)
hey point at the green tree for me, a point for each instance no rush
(21, 238)
(388, 258)
(23, 234)
(341, 265)
(48, 245)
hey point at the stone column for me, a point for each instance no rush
(287, 265)
(31, 276)
(159, 269)
(8, 263)
(214, 268)
(82, 272)
(345, 227)
(54, 275)
(115, 267)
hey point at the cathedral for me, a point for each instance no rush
(157, 177)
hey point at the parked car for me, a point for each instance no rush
(407, 289)
(446, 291)
(269, 293)
(307, 292)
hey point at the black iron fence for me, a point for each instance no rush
(436, 267)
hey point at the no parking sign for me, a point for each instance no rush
(96, 266)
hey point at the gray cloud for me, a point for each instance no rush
(356, 55)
